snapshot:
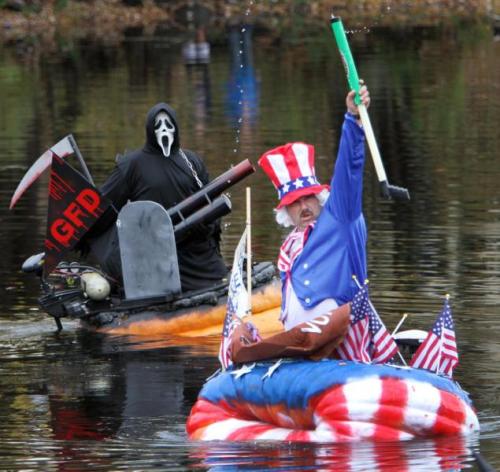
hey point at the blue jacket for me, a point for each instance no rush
(336, 247)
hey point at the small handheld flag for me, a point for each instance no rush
(367, 339)
(355, 346)
(438, 352)
(384, 348)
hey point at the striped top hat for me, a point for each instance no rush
(291, 169)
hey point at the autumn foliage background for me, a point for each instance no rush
(67, 18)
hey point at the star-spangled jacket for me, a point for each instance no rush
(336, 247)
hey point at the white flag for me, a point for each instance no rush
(237, 302)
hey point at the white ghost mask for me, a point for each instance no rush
(165, 132)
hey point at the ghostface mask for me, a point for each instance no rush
(164, 131)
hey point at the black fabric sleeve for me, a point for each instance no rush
(116, 189)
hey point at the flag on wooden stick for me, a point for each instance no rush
(438, 352)
(384, 348)
(367, 339)
(355, 346)
(237, 302)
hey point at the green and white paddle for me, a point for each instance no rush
(387, 190)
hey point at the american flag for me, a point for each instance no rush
(237, 303)
(438, 351)
(355, 346)
(384, 347)
(367, 339)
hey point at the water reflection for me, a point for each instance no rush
(114, 391)
(198, 79)
(75, 386)
(446, 454)
(242, 87)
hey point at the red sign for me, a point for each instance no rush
(74, 207)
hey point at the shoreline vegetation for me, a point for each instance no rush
(41, 21)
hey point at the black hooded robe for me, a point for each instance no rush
(146, 174)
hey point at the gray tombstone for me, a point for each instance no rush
(147, 251)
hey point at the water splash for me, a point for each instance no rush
(243, 63)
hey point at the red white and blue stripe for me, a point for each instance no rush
(330, 401)
(367, 339)
(356, 344)
(291, 170)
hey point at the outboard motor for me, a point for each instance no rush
(69, 289)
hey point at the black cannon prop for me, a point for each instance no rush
(208, 204)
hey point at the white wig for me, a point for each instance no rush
(282, 216)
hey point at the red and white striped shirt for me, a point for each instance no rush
(293, 313)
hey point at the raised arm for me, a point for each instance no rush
(347, 183)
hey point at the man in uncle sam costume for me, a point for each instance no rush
(327, 247)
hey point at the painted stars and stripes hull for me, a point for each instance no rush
(330, 401)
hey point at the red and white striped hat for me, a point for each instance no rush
(291, 169)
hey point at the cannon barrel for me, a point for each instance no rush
(218, 208)
(209, 192)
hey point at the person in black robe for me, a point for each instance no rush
(165, 173)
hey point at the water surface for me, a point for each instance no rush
(75, 400)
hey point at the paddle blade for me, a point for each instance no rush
(62, 148)
(393, 192)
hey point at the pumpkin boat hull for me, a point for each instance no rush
(191, 314)
(196, 321)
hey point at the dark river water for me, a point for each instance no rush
(80, 401)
